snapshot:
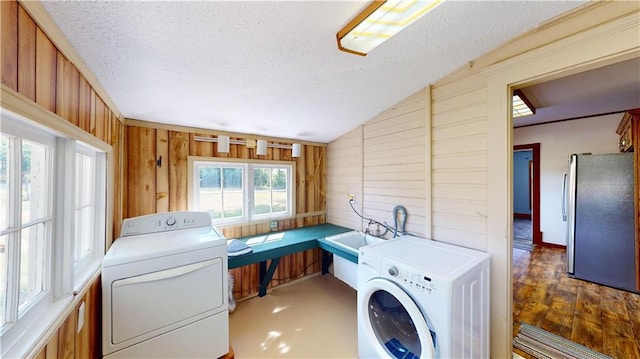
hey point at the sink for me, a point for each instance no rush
(352, 241)
(349, 242)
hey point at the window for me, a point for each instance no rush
(52, 223)
(89, 211)
(234, 192)
(26, 224)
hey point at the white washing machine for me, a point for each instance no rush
(419, 298)
(164, 289)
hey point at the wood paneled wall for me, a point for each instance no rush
(33, 66)
(156, 182)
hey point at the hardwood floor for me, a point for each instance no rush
(601, 318)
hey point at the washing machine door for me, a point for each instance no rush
(394, 325)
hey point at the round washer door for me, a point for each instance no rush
(394, 325)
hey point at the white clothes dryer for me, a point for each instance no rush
(419, 298)
(164, 289)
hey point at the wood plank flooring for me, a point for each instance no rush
(601, 318)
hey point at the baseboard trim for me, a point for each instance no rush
(552, 245)
(522, 215)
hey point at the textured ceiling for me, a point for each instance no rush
(273, 68)
(607, 89)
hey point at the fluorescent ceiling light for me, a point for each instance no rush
(521, 105)
(379, 21)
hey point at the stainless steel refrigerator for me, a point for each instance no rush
(598, 208)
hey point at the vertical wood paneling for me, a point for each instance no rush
(66, 337)
(94, 112)
(67, 90)
(162, 172)
(26, 54)
(46, 71)
(101, 113)
(301, 181)
(84, 104)
(106, 128)
(52, 347)
(310, 190)
(141, 171)
(178, 155)
(31, 64)
(95, 317)
(81, 348)
(9, 39)
(200, 148)
(42, 354)
(119, 166)
(125, 172)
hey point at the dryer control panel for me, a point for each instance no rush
(408, 278)
(162, 222)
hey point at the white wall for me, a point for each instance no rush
(557, 141)
(344, 176)
(395, 164)
(384, 164)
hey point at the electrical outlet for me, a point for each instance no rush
(352, 197)
(273, 225)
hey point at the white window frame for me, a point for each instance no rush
(91, 260)
(248, 217)
(66, 284)
(17, 321)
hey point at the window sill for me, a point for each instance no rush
(35, 338)
(83, 279)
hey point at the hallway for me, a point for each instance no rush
(601, 318)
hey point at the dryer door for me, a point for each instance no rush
(394, 325)
(162, 300)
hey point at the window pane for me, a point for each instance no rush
(279, 192)
(3, 277)
(84, 210)
(4, 182)
(32, 263)
(88, 180)
(84, 233)
(210, 191)
(262, 190)
(36, 177)
(232, 202)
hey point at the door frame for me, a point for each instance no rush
(607, 42)
(535, 215)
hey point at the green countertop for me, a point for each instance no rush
(272, 246)
(277, 244)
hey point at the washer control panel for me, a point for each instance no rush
(162, 222)
(408, 278)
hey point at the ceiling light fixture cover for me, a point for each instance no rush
(296, 150)
(223, 144)
(262, 147)
(379, 21)
(521, 105)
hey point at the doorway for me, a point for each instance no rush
(526, 194)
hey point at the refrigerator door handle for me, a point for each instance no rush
(571, 213)
(564, 198)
